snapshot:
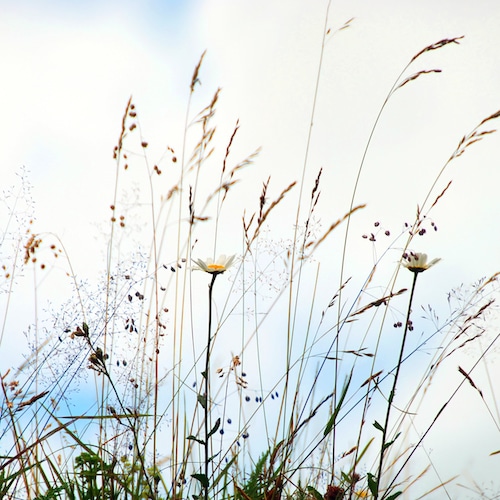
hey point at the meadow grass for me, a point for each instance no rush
(176, 376)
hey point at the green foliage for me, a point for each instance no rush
(202, 478)
(394, 495)
(372, 484)
(214, 429)
(52, 493)
(94, 479)
(331, 422)
(315, 493)
(389, 443)
(6, 481)
(202, 399)
(257, 482)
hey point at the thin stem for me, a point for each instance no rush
(291, 320)
(384, 445)
(207, 382)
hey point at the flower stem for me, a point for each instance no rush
(207, 383)
(384, 445)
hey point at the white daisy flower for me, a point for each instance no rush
(416, 262)
(222, 264)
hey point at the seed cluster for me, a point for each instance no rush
(32, 247)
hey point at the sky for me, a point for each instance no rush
(69, 70)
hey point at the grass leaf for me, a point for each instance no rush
(214, 429)
(202, 399)
(372, 484)
(202, 478)
(315, 493)
(394, 495)
(194, 438)
(333, 418)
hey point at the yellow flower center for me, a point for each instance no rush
(216, 267)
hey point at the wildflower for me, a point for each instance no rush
(417, 262)
(361, 494)
(334, 492)
(222, 264)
